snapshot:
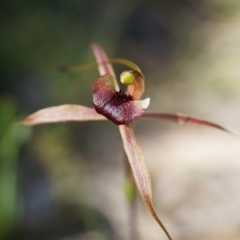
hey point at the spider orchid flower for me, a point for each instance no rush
(121, 108)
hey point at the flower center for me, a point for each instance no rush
(120, 97)
(117, 106)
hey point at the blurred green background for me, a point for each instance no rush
(64, 181)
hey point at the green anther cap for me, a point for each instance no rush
(128, 77)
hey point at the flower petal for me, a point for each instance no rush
(116, 105)
(139, 169)
(63, 113)
(104, 66)
(180, 119)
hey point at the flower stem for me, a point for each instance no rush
(130, 192)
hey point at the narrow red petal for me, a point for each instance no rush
(139, 169)
(180, 119)
(104, 66)
(103, 62)
(63, 113)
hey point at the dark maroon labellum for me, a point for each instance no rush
(117, 106)
(114, 105)
(120, 97)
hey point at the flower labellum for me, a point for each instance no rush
(115, 105)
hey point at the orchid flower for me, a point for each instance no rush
(121, 108)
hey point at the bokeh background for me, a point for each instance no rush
(65, 181)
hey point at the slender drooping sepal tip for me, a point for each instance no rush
(182, 119)
(139, 170)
